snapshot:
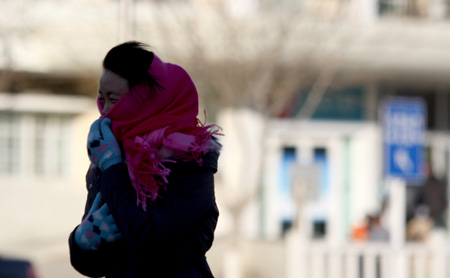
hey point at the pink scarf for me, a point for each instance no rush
(156, 124)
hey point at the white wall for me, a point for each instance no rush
(365, 169)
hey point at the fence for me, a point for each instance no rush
(366, 260)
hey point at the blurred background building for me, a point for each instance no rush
(298, 87)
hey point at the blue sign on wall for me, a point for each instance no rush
(404, 123)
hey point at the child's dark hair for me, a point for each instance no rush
(131, 60)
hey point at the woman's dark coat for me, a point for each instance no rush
(170, 239)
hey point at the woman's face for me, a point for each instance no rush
(111, 88)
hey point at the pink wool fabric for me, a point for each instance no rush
(148, 120)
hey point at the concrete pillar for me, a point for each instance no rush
(335, 233)
(438, 242)
(397, 210)
(296, 254)
(441, 112)
(271, 205)
(305, 158)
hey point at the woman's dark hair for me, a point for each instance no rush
(131, 60)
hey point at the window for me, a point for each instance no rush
(9, 143)
(414, 8)
(281, 4)
(287, 200)
(35, 144)
(336, 104)
(321, 159)
(447, 8)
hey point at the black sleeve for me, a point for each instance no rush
(92, 263)
(189, 196)
(89, 263)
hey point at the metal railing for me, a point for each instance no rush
(365, 260)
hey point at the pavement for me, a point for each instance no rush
(260, 259)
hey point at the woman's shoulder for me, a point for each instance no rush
(210, 159)
(206, 162)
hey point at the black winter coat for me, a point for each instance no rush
(170, 239)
